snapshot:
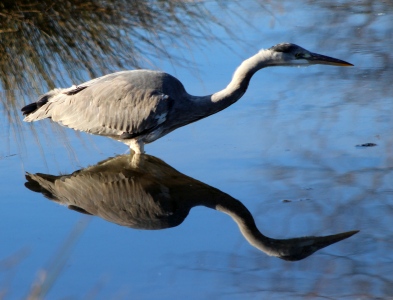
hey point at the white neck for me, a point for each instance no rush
(238, 85)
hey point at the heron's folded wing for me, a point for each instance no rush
(111, 107)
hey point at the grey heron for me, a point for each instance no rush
(152, 195)
(139, 106)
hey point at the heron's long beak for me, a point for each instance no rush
(316, 58)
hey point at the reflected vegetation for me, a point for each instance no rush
(365, 29)
(149, 194)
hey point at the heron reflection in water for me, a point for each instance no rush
(153, 195)
(140, 106)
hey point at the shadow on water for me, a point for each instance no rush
(149, 194)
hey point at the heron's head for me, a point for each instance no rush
(287, 54)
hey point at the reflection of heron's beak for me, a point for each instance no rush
(326, 60)
(305, 246)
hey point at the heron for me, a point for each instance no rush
(138, 107)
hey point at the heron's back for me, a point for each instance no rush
(121, 83)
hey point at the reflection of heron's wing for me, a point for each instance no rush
(127, 201)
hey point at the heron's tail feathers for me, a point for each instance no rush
(33, 112)
(41, 183)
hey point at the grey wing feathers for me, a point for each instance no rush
(33, 107)
(108, 106)
(75, 90)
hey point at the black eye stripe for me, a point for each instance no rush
(285, 48)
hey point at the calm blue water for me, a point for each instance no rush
(292, 136)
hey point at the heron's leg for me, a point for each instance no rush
(136, 152)
(136, 146)
(136, 160)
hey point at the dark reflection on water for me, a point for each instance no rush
(144, 192)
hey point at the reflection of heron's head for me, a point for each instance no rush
(290, 54)
(300, 248)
